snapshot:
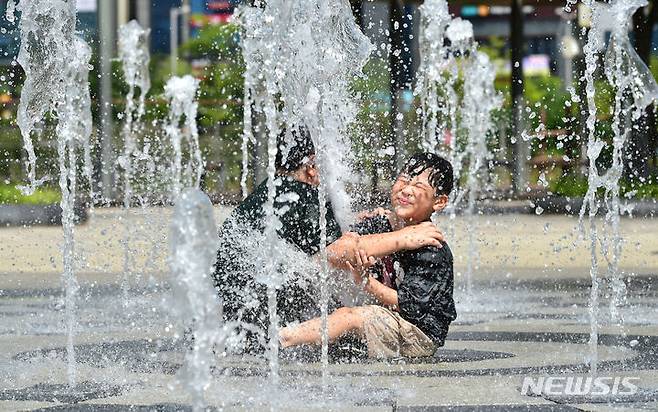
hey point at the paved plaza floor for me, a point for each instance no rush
(525, 316)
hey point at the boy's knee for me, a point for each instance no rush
(344, 311)
(353, 315)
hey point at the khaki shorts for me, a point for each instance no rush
(389, 336)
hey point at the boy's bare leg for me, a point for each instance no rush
(341, 321)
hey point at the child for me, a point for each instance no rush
(416, 286)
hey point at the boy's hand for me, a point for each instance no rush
(421, 235)
(360, 269)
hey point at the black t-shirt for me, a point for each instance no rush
(424, 281)
(298, 211)
(241, 248)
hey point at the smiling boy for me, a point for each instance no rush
(415, 287)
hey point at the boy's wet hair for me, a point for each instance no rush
(440, 178)
(295, 147)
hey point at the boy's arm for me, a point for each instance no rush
(342, 251)
(381, 292)
(385, 295)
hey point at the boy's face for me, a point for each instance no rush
(414, 199)
(311, 171)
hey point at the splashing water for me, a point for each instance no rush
(134, 56)
(630, 76)
(439, 72)
(635, 88)
(594, 146)
(272, 277)
(73, 132)
(10, 13)
(250, 45)
(244, 246)
(261, 49)
(321, 67)
(56, 64)
(460, 34)
(258, 45)
(47, 32)
(325, 51)
(434, 85)
(194, 244)
(182, 129)
(435, 88)
(480, 101)
(308, 52)
(312, 74)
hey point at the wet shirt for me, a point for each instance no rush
(298, 211)
(423, 279)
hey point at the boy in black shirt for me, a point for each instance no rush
(415, 287)
(298, 210)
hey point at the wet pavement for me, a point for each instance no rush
(526, 316)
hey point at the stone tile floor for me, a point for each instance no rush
(526, 316)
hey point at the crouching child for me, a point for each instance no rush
(414, 288)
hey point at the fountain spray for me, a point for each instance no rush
(440, 70)
(251, 55)
(594, 146)
(134, 56)
(194, 244)
(635, 88)
(480, 101)
(47, 31)
(438, 73)
(319, 97)
(435, 78)
(258, 46)
(56, 64)
(308, 52)
(73, 132)
(182, 130)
